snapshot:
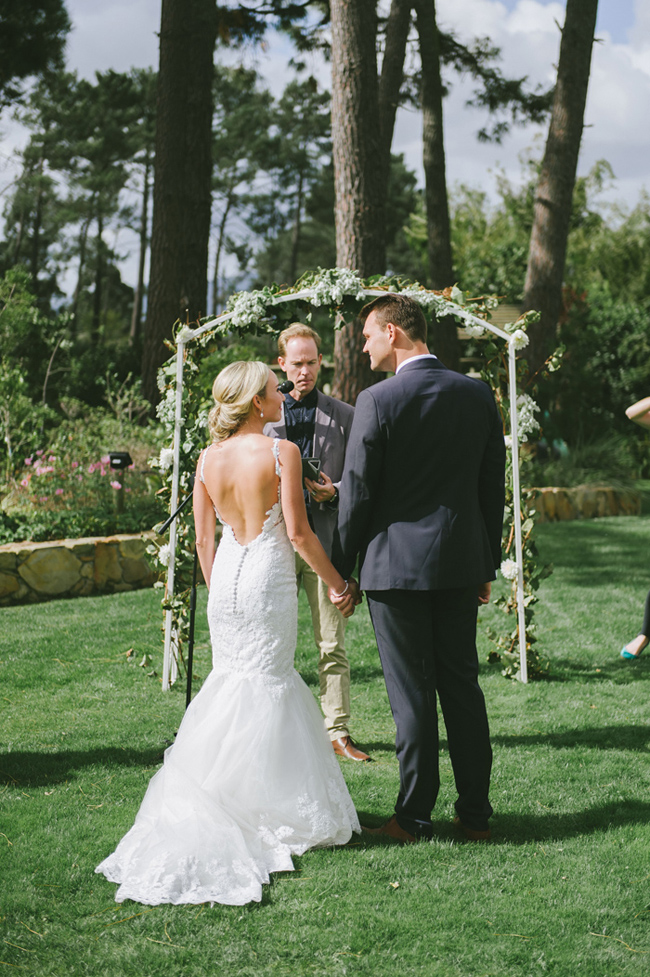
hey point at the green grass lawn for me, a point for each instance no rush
(563, 889)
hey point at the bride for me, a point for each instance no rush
(251, 778)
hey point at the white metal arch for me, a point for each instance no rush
(186, 336)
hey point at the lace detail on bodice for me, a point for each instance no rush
(252, 606)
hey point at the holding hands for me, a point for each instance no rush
(348, 599)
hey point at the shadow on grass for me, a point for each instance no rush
(601, 553)
(633, 738)
(376, 746)
(522, 829)
(617, 670)
(42, 769)
(519, 829)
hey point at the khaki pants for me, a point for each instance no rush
(333, 665)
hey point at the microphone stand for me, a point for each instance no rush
(190, 638)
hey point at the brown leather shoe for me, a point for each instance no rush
(345, 747)
(471, 833)
(392, 829)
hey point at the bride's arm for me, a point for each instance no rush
(303, 538)
(205, 523)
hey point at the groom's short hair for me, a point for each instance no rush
(296, 330)
(402, 311)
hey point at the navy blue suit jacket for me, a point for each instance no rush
(422, 492)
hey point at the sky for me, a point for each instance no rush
(121, 34)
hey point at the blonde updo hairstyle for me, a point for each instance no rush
(233, 392)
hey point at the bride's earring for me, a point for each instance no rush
(261, 413)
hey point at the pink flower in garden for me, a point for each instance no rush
(127, 489)
(116, 485)
(43, 498)
(28, 461)
(80, 478)
(25, 483)
(52, 458)
(75, 464)
(59, 492)
(39, 453)
(105, 460)
(91, 469)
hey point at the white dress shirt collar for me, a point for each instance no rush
(412, 359)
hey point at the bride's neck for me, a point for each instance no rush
(252, 425)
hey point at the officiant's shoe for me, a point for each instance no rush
(392, 829)
(345, 747)
(471, 833)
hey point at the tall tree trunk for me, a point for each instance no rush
(390, 80)
(136, 314)
(553, 199)
(74, 310)
(99, 280)
(217, 257)
(182, 184)
(356, 147)
(19, 236)
(295, 232)
(444, 334)
(38, 223)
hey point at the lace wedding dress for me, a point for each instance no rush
(251, 778)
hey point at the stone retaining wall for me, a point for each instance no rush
(35, 572)
(584, 502)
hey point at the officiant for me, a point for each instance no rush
(320, 426)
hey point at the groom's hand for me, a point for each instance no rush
(357, 596)
(484, 591)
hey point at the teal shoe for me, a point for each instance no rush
(628, 654)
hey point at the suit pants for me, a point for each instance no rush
(333, 665)
(427, 646)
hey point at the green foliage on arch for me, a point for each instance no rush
(341, 292)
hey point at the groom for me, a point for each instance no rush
(421, 505)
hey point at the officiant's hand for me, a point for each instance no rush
(322, 491)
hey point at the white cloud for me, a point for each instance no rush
(528, 35)
(118, 34)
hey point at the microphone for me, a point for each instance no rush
(286, 386)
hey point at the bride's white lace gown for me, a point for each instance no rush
(251, 778)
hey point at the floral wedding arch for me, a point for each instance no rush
(343, 292)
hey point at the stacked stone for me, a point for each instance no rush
(583, 502)
(35, 572)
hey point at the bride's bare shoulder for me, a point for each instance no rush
(288, 450)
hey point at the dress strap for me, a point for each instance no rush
(276, 455)
(203, 457)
